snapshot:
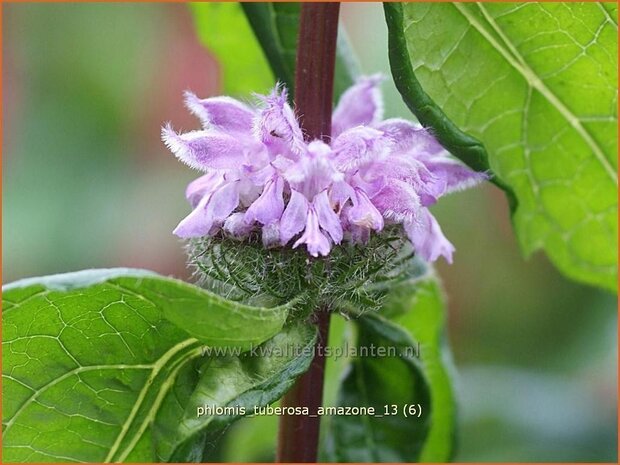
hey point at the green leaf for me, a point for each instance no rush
(412, 321)
(418, 309)
(223, 29)
(276, 26)
(243, 382)
(395, 380)
(212, 319)
(84, 359)
(257, 434)
(93, 371)
(535, 83)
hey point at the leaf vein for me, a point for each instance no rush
(534, 81)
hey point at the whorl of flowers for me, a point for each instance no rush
(261, 175)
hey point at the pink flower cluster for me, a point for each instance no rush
(260, 174)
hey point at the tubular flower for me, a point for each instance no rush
(262, 176)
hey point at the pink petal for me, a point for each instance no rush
(413, 172)
(358, 145)
(224, 201)
(270, 205)
(277, 123)
(237, 227)
(456, 175)
(205, 150)
(202, 186)
(260, 176)
(410, 137)
(294, 217)
(212, 210)
(328, 220)
(339, 193)
(248, 191)
(314, 172)
(361, 104)
(227, 114)
(397, 201)
(412, 140)
(316, 242)
(197, 224)
(427, 238)
(364, 213)
(369, 181)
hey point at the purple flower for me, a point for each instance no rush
(262, 176)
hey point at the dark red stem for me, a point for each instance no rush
(298, 437)
(314, 73)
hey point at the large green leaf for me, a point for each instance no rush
(93, 371)
(84, 357)
(276, 26)
(224, 30)
(536, 83)
(412, 321)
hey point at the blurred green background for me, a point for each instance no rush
(87, 183)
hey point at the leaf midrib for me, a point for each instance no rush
(155, 370)
(535, 82)
(163, 390)
(264, 384)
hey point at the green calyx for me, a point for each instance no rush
(351, 279)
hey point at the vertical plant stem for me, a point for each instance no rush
(314, 73)
(298, 436)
